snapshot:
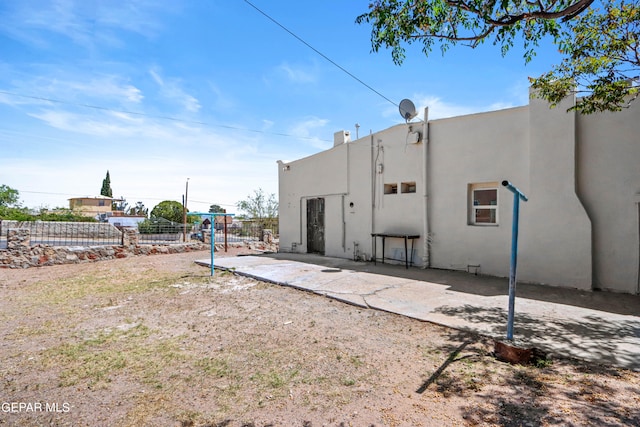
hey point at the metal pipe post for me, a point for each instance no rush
(517, 195)
(213, 234)
(212, 241)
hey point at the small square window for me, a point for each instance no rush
(408, 187)
(391, 189)
(483, 203)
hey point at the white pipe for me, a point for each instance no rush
(344, 228)
(373, 192)
(426, 255)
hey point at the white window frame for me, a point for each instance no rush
(473, 207)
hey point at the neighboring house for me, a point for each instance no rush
(220, 220)
(92, 206)
(440, 179)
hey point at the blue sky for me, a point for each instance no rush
(211, 90)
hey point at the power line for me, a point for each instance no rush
(47, 193)
(175, 119)
(320, 53)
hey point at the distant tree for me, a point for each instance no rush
(599, 41)
(216, 209)
(16, 214)
(8, 196)
(58, 214)
(121, 205)
(169, 210)
(106, 186)
(63, 214)
(139, 210)
(260, 207)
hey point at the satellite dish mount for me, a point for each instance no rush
(407, 110)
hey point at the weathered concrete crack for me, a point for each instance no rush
(377, 291)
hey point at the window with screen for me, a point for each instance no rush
(483, 203)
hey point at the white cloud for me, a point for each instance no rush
(519, 91)
(149, 160)
(135, 16)
(69, 87)
(171, 90)
(108, 87)
(309, 129)
(267, 124)
(439, 109)
(86, 23)
(68, 121)
(156, 77)
(126, 132)
(297, 74)
(500, 106)
(221, 101)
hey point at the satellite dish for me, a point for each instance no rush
(407, 109)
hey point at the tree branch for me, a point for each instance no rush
(566, 14)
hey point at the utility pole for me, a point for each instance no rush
(184, 213)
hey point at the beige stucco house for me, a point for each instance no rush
(440, 180)
(92, 206)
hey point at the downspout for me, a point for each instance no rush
(426, 257)
(373, 195)
(344, 228)
(301, 199)
(344, 219)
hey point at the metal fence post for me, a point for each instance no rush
(225, 233)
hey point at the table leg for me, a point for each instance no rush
(406, 254)
(375, 252)
(412, 242)
(383, 238)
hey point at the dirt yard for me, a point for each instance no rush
(155, 341)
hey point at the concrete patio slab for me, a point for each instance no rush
(595, 326)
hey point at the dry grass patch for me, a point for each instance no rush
(158, 342)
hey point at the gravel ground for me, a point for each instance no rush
(156, 341)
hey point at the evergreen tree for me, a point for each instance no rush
(106, 186)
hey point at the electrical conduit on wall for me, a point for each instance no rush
(426, 254)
